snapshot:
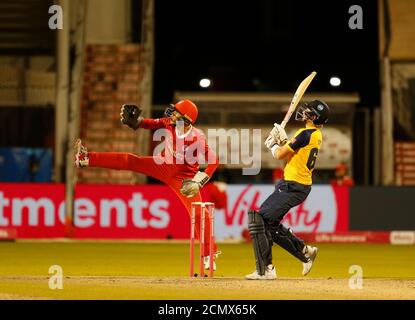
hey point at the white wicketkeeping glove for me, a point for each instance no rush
(279, 134)
(190, 188)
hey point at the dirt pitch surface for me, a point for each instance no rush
(159, 271)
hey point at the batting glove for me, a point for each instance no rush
(279, 134)
(272, 145)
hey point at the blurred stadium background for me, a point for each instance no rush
(59, 84)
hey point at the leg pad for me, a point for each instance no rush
(260, 242)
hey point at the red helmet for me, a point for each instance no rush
(188, 109)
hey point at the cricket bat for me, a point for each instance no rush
(297, 97)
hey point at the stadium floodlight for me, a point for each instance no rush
(335, 81)
(205, 83)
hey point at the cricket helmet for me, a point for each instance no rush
(186, 108)
(317, 111)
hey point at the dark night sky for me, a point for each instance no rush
(265, 46)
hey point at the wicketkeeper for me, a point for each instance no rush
(300, 154)
(178, 164)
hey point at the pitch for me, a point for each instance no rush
(143, 270)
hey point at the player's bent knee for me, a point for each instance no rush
(283, 232)
(271, 216)
(285, 238)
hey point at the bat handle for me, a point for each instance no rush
(283, 124)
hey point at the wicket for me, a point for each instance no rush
(201, 206)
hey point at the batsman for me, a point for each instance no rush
(299, 155)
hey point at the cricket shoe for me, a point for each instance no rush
(81, 155)
(270, 274)
(311, 254)
(206, 261)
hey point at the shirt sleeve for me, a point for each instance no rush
(300, 140)
(212, 161)
(154, 123)
(209, 156)
(206, 154)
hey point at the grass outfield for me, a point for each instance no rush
(123, 270)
